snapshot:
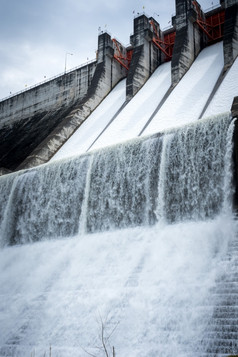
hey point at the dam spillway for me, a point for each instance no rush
(141, 266)
(179, 173)
(118, 229)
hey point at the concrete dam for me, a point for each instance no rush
(118, 194)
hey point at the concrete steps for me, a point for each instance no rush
(221, 335)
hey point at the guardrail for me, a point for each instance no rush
(47, 80)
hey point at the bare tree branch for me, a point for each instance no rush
(102, 339)
(113, 330)
(90, 354)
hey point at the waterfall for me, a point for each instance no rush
(195, 185)
(172, 177)
(150, 222)
(43, 202)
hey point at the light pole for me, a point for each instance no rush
(67, 53)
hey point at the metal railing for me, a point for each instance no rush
(48, 80)
(91, 61)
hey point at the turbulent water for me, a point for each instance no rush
(171, 177)
(160, 210)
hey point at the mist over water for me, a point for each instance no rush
(136, 233)
(151, 284)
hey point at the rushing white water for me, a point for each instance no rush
(154, 282)
(162, 221)
(117, 187)
(187, 100)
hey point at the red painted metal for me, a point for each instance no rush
(169, 40)
(129, 55)
(216, 22)
(212, 25)
(118, 55)
(166, 45)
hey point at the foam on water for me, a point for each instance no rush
(160, 212)
(154, 282)
(174, 176)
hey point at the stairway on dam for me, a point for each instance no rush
(221, 334)
(135, 231)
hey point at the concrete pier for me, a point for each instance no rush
(146, 55)
(189, 39)
(139, 70)
(230, 41)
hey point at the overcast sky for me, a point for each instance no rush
(36, 35)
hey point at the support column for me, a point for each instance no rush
(189, 40)
(146, 57)
(139, 70)
(230, 32)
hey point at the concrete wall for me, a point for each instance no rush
(28, 120)
(230, 33)
(62, 90)
(189, 39)
(37, 122)
(107, 74)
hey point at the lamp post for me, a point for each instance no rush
(67, 53)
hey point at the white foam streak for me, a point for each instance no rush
(83, 216)
(228, 177)
(160, 212)
(154, 279)
(154, 282)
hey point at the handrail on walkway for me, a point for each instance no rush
(47, 80)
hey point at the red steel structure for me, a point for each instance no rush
(169, 39)
(166, 45)
(212, 25)
(124, 60)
